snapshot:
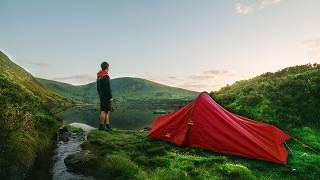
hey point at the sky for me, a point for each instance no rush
(200, 45)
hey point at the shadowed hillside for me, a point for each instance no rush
(27, 125)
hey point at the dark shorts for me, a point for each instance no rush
(105, 104)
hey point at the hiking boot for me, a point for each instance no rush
(102, 127)
(108, 128)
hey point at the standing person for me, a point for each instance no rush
(105, 96)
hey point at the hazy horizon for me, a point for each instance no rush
(199, 46)
(93, 81)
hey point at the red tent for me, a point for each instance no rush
(205, 124)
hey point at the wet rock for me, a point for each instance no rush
(80, 162)
(64, 134)
(63, 129)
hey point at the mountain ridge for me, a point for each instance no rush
(123, 88)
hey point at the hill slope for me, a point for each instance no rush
(17, 75)
(287, 98)
(123, 89)
(26, 125)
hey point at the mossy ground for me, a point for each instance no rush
(131, 155)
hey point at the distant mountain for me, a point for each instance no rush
(123, 89)
(287, 98)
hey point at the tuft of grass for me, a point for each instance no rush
(118, 167)
(308, 136)
(236, 171)
(160, 150)
(169, 174)
(152, 162)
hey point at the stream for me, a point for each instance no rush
(50, 164)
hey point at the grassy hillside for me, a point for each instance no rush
(288, 98)
(123, 89)
(136, 88)
(26, 125)
(17, 75)
(64, 89)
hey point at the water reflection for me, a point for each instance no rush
(128, 115)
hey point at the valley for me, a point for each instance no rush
(32, 110)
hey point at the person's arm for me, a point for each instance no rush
(98, 85)
(108, 87)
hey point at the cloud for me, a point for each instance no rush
(211, 74)
(312, 48)
(40, 65)
(172, 77)
(247, 7)
(218, 72)
(202, 86)
(265, 3)
(81, 78)
(201, 77)
(207, 80)
(204, 81)
(241, 8)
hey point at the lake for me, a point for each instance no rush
(127, 115)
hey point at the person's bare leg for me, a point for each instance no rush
(102, 119)
(107, 120)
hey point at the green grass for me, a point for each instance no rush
(119, 167)
(138, 157)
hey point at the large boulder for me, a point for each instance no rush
(80, 162)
